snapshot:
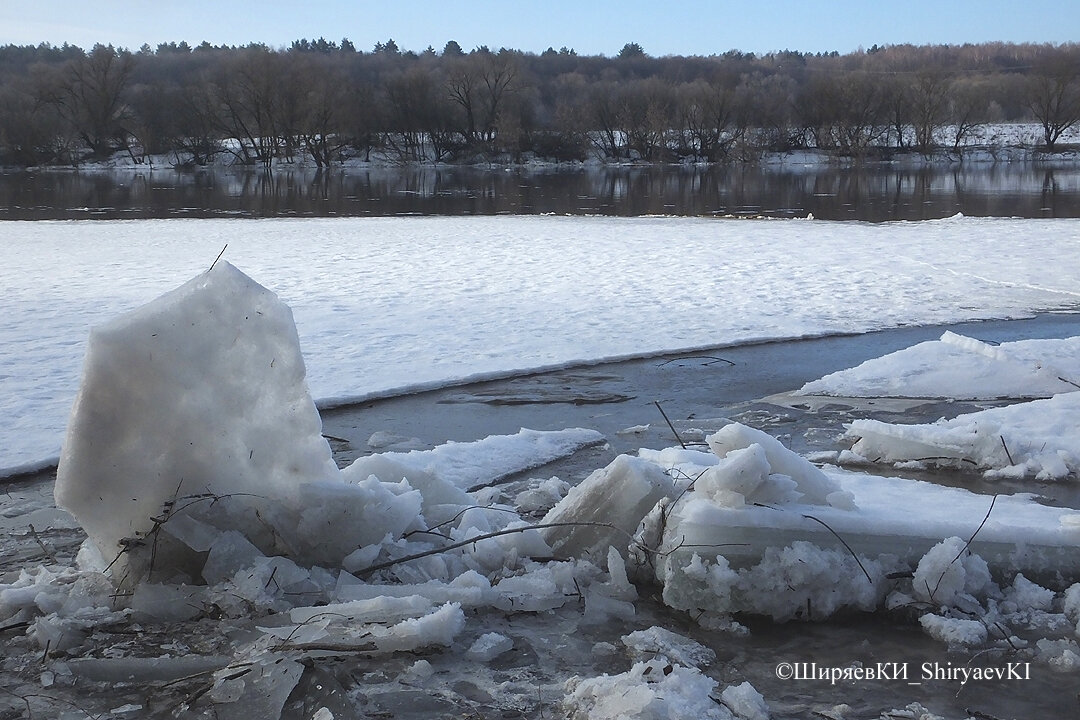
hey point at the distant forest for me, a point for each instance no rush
(327, 102)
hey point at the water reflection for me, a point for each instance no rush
(867, 193)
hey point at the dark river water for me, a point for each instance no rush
(872, 193)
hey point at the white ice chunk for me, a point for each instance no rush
(260, 692)
(1036, 439)
(199, 391)
(468, 465)
(813, 485)
(168, 603)
(619, 585)
(375, 610)
(617, 497)
(600, 607)
(441, 499)
(230, 553)
(1071, 605)
(746, 702)
(1026, 595)
(656, 641)
(488, 647)
(142, 669)
(948, 571)
(788, 560)
(338, 518)
(542, 495)
(798, 581)
(1059, 654)
(652, 690)
(470, 589)
(960, 367)
(954, 631)
(436, 628)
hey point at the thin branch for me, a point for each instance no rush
(844, 543)
(711, 358)
(1007, 453)
(966, 546)
(1069, 382)
(217, 258)
(673, 430)
(478, 538)
(432, 530)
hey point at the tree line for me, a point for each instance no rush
(327, 101)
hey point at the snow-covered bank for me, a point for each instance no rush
(386, 305)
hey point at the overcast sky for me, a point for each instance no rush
(690, 27)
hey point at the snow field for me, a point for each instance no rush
(384, 305)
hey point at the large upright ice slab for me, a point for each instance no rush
(200, 391)
(606, 509)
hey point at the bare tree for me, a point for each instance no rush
(246, 91)
(844, 112)
(31, 132)
(89, 93)
(968, 109)
(710, 119)
(419, 117)
(1054, 92)
(929, 95)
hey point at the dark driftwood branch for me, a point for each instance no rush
(1068, 381)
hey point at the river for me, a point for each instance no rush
(875, 193)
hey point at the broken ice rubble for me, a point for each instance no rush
(194, 453)
(195, 463)
(774, 551)
(1037, 439)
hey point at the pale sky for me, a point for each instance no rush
(690, 27)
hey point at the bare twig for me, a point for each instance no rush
(478, 538)
(1007, 453)
(844, 543)
(50, 698)
(1069, 382)
(431, 530)
(673, 430)
(37, 539)
(712, 360)
(14, 626)
(966, 546)
(217, 258)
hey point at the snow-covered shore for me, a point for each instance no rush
(390, 305)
